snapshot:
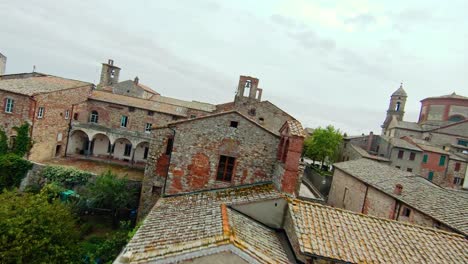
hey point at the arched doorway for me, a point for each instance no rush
(123, 149)
(78, 143)
(141, 152)
(101, 145)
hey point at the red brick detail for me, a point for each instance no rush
(289, 182)
(199, 171)
(161, 165)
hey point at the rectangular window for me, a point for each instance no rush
(409, 170)
(225, 168)
(148, 127)
(430, 176)
(123, 121)
(145, 154)
(9, 105)
(234, 124)
(128, 150)
(457, 166)
(442, 160)
(131, 109)
(463, 142)
(398, 167)
(406, 212)
(425, 158)
(40, 112)
(400, 154)
(67, 114)
(457, 181)
(75, 116)
(150, 113)
(412, 156)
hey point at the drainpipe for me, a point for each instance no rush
(365, 198)
(169, 162)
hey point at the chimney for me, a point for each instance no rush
(369, 141)
(136, 80)
(398, 189)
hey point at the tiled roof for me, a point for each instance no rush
(427, 146)
(366, 155)
(444, 205)
(39, 85)
(193, 222)
(400, 143)
(452, 95)
(409, 125)
(137, 102)
(130, 84)
(355, 238)
(295, 128)
(189, 104)
(220, 114)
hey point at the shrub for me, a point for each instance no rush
(13, 169)
(66, 176)
(3, 143)
(36, 231)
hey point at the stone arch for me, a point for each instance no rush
(101, 144)
(141, 151)
(78, 142)
(123, 149)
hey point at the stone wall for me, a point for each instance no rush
(346, 192)
(432, 164)
(451, 174)
(405, 164)
(50, 132)
(199, 144)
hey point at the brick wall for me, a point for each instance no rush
(432, 164)
(22, 111)
(452, 174)
(51, 130)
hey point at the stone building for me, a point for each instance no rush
(396, 109)
(46, 103)
(221, 150)
(116, 120)
(260, 224)
(3, 60)
(372, 188)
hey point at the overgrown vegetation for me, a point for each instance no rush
(34, 230)
(323, 145)
(13, 169)
(66, 176)
(23, 142)
(3, 143)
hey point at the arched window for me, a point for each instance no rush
(94, 117)
(397, 107)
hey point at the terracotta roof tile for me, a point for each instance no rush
(40, 84)
(355, 238)
(444, 205)
(295, 128)
(188, 223)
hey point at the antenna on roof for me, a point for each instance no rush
(34, 68)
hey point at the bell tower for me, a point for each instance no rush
(396, 108)
(109, 74)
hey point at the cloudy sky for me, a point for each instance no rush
(324, 62)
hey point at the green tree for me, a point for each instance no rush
(33, 230)
(23, 142)
(109, 192)
(13, 168)
(323, 145)
(3, 143)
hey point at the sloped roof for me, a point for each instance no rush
(409, 125)
(427, 146)
(400, 92)
(366, 155)
(295, 128)
(221, 114)
(130, 84)
(401, 143)
(137, 103)
(189, 223)
(444, 205)
(449, 96)
(355, 238)
(38, 84)
(189, 104)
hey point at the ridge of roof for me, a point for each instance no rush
(220, 114)
(447, 96)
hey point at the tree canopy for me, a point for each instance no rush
(323, 145)
(34, 230)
